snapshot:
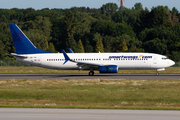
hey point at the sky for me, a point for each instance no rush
(39, 4)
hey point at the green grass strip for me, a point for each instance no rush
(91, 94)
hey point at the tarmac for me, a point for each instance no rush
(85, 114)
(132, 76)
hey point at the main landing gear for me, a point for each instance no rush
(91, 73)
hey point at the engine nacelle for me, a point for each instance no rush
(108, 69)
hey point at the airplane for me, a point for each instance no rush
(27, 53)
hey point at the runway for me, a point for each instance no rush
(85, 114)
(132, 76)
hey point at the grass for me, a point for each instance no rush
(96, 93)
(44, 70)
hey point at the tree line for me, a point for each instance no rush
(106, 29)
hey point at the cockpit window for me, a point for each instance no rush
(164, 58)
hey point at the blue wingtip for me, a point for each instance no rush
(65, 62)
(70, 50)
(65, 56)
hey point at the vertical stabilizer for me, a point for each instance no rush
(22, 44)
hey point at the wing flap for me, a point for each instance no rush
(79, 63)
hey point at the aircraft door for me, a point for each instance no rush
(155, 59)
(39, 60)
(31, 59)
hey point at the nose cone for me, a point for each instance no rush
(171, 63)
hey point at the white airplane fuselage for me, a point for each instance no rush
(122, 60)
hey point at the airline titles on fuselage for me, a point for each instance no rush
(130, 57)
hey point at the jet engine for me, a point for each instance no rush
(108, 69)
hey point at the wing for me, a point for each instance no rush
(81, 64)
(88, 65)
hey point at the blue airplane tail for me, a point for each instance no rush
(22, 44)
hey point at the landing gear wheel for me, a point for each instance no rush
(157, 73)
(91, 73)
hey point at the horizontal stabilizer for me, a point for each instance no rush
(15, 55)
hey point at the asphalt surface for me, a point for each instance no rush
(133, 76)
(85, 114)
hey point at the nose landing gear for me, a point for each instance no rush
(161, 69)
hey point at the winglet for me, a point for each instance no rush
(65, 56)
(70, 50)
